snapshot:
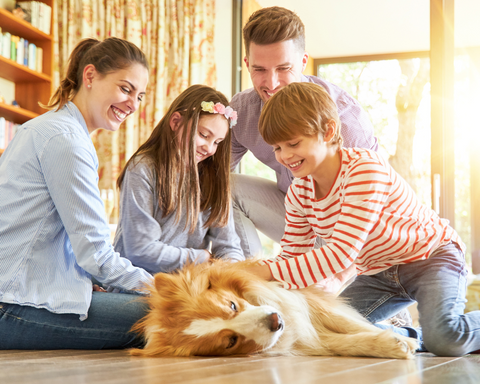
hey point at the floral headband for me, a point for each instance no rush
(228, 112)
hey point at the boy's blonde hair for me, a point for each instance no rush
(273, 25)
(299, 109)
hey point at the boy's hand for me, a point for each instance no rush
(338, 282)
(261, 271)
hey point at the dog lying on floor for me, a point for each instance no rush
(221, 309)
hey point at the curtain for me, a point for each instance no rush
(177, 39)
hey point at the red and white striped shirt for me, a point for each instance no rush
(370, 217)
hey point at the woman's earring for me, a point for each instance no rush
(89, 86)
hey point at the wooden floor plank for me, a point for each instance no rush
(118, 367)
(338, 370)
(460, 371)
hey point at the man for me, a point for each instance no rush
(275, 57)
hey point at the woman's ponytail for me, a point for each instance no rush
(71, 83)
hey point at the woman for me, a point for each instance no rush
(54, 234)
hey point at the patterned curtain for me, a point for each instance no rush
(177, 38)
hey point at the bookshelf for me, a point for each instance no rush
(30, 86)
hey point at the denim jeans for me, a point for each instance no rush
(438, 284)
(110, 317)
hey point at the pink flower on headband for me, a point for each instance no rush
(228, 112)
(219, 108)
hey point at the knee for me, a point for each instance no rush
(448, 340)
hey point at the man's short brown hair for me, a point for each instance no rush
(299, 109)
(273, 25)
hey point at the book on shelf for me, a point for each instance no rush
(21, 51)
(8, 130)
(13, 47)
(38, 14)
(6, 39)
(25, 52)
(39, 59)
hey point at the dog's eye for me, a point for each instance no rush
(233, 341)
(233, 306)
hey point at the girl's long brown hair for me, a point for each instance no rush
(179, 180)
(107, 56)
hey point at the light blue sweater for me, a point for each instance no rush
(159, 244)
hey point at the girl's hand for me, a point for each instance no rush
(208, 257)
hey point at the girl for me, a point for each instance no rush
(54, 234)
(175, 190)
(371, 221)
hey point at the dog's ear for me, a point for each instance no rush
(163, 280)
(200, 284)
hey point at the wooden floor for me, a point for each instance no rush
(104, 367)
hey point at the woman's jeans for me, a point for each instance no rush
(438, 285)
(110, 317)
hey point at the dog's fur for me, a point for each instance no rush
(222, 309)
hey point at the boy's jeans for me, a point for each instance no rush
(438, 285)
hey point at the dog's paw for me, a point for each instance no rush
(406, 345)
(391, 345)
(401, 347)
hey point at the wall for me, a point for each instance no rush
(353, 28)
(223, 45)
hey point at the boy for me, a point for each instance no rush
(370, 219)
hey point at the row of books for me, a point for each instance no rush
(7, 131)
(38, 14)
(21, 51)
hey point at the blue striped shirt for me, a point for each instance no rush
(53, 233)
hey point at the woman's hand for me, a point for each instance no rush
(97, 288)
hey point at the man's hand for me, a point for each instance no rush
(338, 282)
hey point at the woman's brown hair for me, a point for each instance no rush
(107, 56)
(181, 183)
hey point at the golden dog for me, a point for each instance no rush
(222, 309)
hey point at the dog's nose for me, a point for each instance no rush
(275, 322)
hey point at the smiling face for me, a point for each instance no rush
(273, 66)
(309, 155)
(211, 131)
(105, 101)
